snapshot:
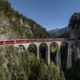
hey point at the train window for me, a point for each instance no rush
(7, 42)
(17, 40)
(1, 42)
(12, 41)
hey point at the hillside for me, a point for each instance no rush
(15, 25)
(15, 65)
(53, 31)
(60, 33)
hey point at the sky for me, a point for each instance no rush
(50, 14)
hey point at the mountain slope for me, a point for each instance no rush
(14, 25)
(61, 33)
(53, 31)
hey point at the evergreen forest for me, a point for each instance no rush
(24, 65)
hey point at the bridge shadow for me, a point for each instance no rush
(43, 51)
(64, 53)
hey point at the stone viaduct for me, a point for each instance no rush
(48, 43)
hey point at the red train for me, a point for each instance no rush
(2, 42)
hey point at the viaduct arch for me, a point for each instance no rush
(58, 55)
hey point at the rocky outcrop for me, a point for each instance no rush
(4, 22)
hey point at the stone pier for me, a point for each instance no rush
(58, 56)
(69, 56)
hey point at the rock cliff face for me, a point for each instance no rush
(4, 30)
(15, 25)
(11, 29)
(74, 26)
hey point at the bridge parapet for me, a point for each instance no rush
(14, 41)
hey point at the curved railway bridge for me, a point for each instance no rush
(48, 41)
